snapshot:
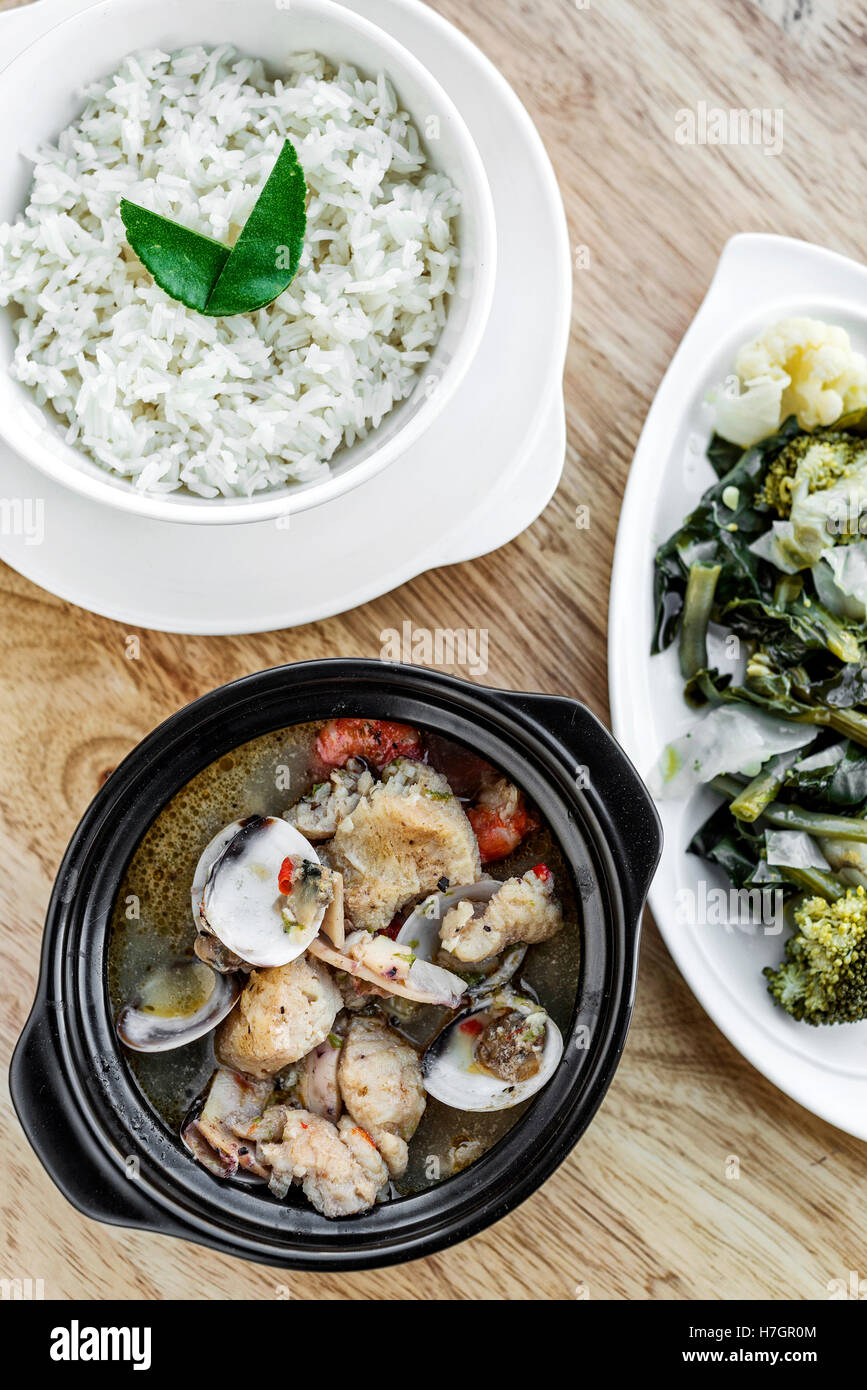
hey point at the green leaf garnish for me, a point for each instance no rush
(265, 257)
(220, 280)
(184, 264)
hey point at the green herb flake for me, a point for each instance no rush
(218, 280)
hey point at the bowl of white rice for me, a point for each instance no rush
(113, 388)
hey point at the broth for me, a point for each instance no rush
(152, 926)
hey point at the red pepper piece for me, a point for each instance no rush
(285, 876)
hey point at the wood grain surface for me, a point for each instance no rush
(644, 1207)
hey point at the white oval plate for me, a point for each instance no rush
(759, 279)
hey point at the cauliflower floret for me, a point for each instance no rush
(799, 366)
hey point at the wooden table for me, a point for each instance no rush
(643, 1208)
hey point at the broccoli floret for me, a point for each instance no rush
(814, 463)
(824, 976)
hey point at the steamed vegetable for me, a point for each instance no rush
(764, 589)
(801, 661)
(818, 483)
(824, 976)
(840, 577)
(727, 739)
(719, 532)
(800, 367)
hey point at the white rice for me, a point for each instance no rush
(171, 398)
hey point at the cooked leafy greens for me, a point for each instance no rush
(771, 569)
(719, 532)
(220, 280)
(802, 661)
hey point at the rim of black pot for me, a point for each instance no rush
(130, 1168)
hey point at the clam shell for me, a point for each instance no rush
(176, 1005)
(241, 903)
(453, 1076)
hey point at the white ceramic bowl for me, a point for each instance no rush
(40, 94)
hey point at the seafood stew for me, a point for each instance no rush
(382, 951)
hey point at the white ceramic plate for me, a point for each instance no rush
(759, 279)
(482, 473)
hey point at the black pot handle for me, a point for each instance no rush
(51, 1119)
(616, 791)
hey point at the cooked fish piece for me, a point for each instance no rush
(405, 835)
(364, 1150)
(381, 1084)
(318, 814)
(317, 1084)
(338, 1166)
(282, 1014)
(524, 909)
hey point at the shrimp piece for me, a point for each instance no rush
(501, 820)
(378, 741)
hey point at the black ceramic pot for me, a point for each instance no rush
(81, 1109)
